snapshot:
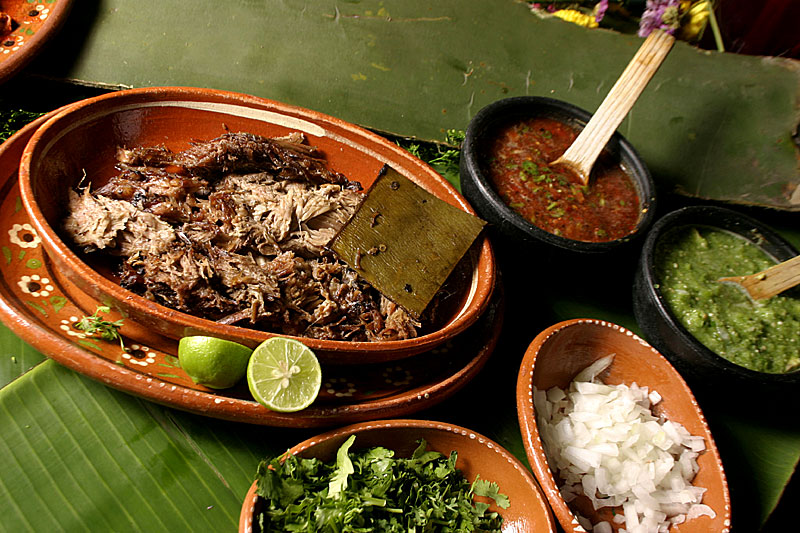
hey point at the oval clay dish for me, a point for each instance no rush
(34, 24)
(558, 353)
(39, 308)
(82, 141)
(528, 511)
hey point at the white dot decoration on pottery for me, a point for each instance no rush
(36, 286)
(444, 348)
(397, 376)
(24, 236)
(340, 387)
(43, 12)
(139, 355)
(66, 326)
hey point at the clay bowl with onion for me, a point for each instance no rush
(557, 355)
(714, 378)
(477, 455)
(484, 139)
(80, 143)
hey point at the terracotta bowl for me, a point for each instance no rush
(528, 511)
(558, 353)
(84, 138)
(506, 223)
(714, 379)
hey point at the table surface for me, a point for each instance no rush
(78, 453)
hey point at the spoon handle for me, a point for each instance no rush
(583, 152)
(771, 281)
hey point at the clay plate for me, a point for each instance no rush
(528, 511)
(558, 353)
(41, 310)
(84, 137)
(37, 22)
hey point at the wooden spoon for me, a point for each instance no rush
(771, 281)
(583, 152)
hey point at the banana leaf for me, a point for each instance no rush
(92, 456)
(78, 456)
(710, 125)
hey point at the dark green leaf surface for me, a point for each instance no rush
(711, 125)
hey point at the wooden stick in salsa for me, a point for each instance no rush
(517, 162)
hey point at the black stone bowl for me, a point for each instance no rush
(507, 225)
(712, 378)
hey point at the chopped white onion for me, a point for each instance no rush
(605, 443)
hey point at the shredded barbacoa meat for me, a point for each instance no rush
(234, 230)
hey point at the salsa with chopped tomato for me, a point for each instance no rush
(518, 164)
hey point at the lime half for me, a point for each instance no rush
(213, 362)
(284, 375)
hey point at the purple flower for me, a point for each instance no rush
(660, 14)
(600, 10)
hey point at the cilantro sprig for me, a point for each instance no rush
(96, 326)
(372, 490)
(443, 157)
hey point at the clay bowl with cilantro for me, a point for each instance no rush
(507, 175)
(202, 212)
(484, 478)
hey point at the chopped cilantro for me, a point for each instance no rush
(442, 157)
(372, 490)
(530, 167)
(12, 120)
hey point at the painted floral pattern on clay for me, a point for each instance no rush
(24, 236)
(67, 327)
(139, 355)
(397, 376)
(28, 26)
(36, 286)
(340, 387)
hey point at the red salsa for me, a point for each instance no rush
(517, 163)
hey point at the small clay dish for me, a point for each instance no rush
(504, 221)
(556, 356)
(477, 455)
(33, 25)
(80, 143)
(714, 379)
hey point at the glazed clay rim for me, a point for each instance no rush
(201, 402)
(251, 498)
(483, 270)
(534, 447)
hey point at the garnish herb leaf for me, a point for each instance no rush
(98, 327)
(490, 489)
(344, 467)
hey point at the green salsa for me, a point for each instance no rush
(762, 336)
